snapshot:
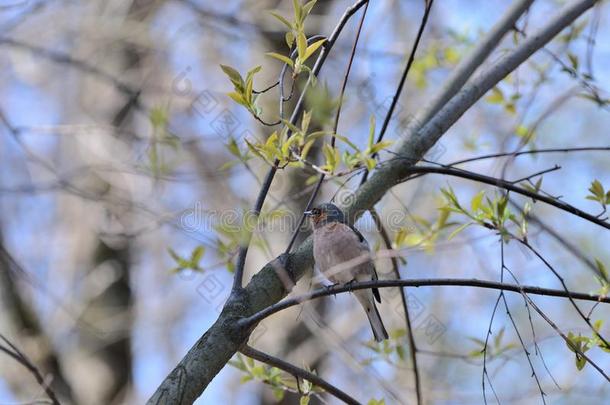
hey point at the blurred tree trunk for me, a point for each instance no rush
(24, 328)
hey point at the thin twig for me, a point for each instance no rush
(298, 372)
(12, 351)
(412, 346)
(401, 83)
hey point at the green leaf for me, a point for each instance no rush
(331, 156)
(289, 37)
(283, 58)
(238, 98)
(496, 96)
(597, 190)
(301, 46)
(245, 378)
(475, 203)
(297, 10)
(173, 254)
(278, 393)
(379, 146)
(502, 207)
(573, 60)
(305, 121)
(400, 351)
(197, 254)
(158, 117)
(307, 7)
(282, 19)
(371, 131)
(234, 76)
(304, 400)
(312, 48)
(581, 362)
(459, 229)
(498, 338)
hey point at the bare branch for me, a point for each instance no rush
(494, 285)
(12, 351)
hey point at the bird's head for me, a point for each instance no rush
(324, 214)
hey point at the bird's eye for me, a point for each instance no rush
(315, 211)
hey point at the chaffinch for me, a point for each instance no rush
(335, 242)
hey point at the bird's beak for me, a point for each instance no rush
(308, 213)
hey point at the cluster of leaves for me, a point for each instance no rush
(238, 230)
(241, 157)
(160, 138)
(495, 349)
(190, 263)
(296, 33)
(498, 97)
(424, 233)
(243, 93)
(392, 350)
(291, 146)
(275, 378)
(599, 194)
(434, 56)
(584, 343)
(365, 158)
(602, 278)
(492, 214)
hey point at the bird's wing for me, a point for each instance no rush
(373, 271)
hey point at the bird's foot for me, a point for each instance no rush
(330, 287)
(350, 283)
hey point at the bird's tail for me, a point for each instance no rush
(372, 313)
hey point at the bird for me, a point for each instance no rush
(336, 242)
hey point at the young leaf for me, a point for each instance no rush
(496, 96)
(289, 37)
(282, 58)
(458, 230)
(475, 204)
(197, 254)
(281, 19)
(371, 131)
(301, 46)
(307, 7)
(312, 48)
(238, 98)
(234, 76)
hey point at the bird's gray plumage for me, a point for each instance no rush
(336, 245)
